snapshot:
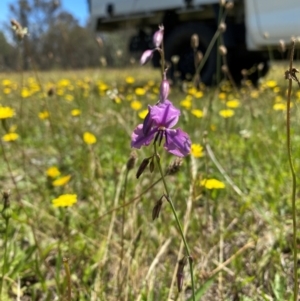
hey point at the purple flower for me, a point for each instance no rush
(158, 125)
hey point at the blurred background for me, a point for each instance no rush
(58, 37)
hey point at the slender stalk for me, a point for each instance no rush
(4, 267)
(294, 183)
(177, 222)
(68, 276)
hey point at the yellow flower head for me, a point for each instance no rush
(65, 200)
(199, 94)
(186, 103)
(233, 103)
(212, 184)
(142, 114)
(222, 95)
(6, 112)
(89, 138)
(197, 150)
(25, 92)
(140, 91)
(271, 83)
(62, 181)
(136, 105)
(69, 97)
(75, 112)
(226, 113)
(44, 115)
(10, 137)
(53, 172)
(197, 113)
(7, 90)
(129, 80)
(279, 106)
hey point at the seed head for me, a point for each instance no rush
(142, 167)
(131, 161)
(222, 50)
(222, 27)
(174, 167)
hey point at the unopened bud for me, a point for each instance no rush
(50, 92)
(164, 89)
(180, 272)
(131, 161)
(260, 66)
(222, 50)
(225, 69)
(222, 27)
(199, 57)
(157, 208)
(175, 59)
(146, 56)
(229, 5)
(152, 165)
(282, 47)
(158, 36)
(174, 167)
(195, 41)
(142, 167)
(244, 72)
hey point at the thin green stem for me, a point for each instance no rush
(4, 257)
(294, 183)
(177, 222)
(68, 277)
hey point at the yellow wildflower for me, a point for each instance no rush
(212, 184)
(271, 83)
(75, 112)
(89, 138)
(197, 113)
(142, 114)
(186, 103)
(25, 92)
(44, 115)
(10, 137)
(136, 105)
(53, 172)
(7, 90)
(280, 106)
(140, 91)
(69, 97)
(63, 83)
(61, 181)
(222, 95)
(65, 200)
(254, 94)
(198, 94)
(6, 112)
(6, 82)
(129, 80)
(226, 113)
(233, 103)
(197, 150)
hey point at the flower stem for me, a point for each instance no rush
(294, 183)
(177, 222)
(4, 267)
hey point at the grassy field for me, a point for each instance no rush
(74, 208)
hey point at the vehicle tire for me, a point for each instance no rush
(178, 42)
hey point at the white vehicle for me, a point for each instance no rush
(253, 26)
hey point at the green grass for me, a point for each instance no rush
(250, 231)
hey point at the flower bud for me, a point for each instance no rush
(222, 27)
(222, 50)
(157, 208)
(142, 167)
(158, 36)
(131, 161)
(146, 56)
(164, 89)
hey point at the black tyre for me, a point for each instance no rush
(178, 42)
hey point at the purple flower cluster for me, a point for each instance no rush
(161, 117)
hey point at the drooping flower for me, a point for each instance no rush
(157, 125)
(65, 200)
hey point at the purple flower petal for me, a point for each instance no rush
(165, 114)
(177, 142)
(138, 138)
(146, 56)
